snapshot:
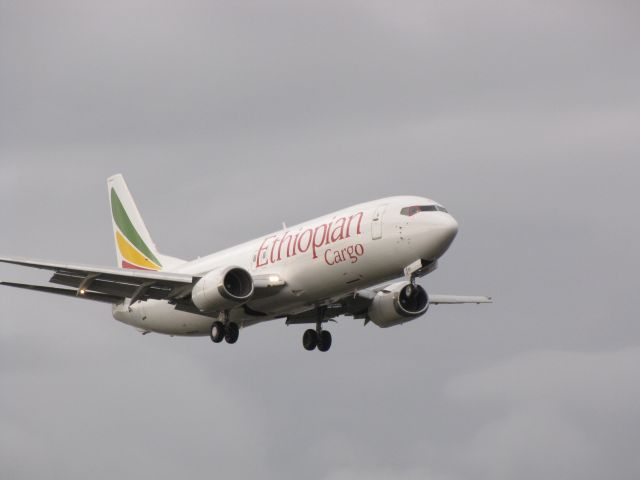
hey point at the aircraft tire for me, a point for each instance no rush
(217, 333)
(310, 340)
(324, 341)
(232, 333)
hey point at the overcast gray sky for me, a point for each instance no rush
(227, 118)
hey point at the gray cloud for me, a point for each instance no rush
(554, 413)
(229, 118)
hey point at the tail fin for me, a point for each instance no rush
(134, 246)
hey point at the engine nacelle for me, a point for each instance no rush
(398, 303)
(222, 288)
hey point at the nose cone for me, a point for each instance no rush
(450, 228)
(439, 231)
(446, 230)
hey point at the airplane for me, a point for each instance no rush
(362, 261)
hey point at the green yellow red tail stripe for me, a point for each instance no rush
(134, 251)
(134, 259)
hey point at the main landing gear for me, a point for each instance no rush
(226, 330)
(316, 338)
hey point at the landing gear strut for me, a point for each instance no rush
(317, 338)
(224, 330)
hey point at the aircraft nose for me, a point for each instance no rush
(450, 227)
(445, 231)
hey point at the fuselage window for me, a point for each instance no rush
(411, 211)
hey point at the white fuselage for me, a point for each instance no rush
(320, 260)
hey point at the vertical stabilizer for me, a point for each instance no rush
(134, 246)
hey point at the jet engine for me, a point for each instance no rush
(222, 288)
(398, 303)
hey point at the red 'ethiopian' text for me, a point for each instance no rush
(288, 244)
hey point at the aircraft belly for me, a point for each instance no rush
(160, 317)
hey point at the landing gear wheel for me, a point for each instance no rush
(217, 332)
(310, 340)
(324, 340)
(232, 333)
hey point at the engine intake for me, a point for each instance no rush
(397, 304)
(222, 288)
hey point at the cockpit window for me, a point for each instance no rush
(411, 211)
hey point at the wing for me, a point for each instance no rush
(113, 285)
(435, 299)
(105, 284)
(362, 299)
(357, 304)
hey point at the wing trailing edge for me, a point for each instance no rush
(107, 284)
(99, 297)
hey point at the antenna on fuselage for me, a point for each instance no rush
(284, 226)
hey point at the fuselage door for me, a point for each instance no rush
(376, 222)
